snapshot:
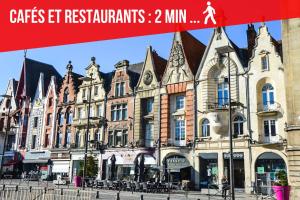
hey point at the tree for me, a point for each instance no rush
(91, 167)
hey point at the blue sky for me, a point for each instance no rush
(109, 52)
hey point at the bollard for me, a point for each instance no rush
(118, 196)
(78, 193)
(97, 195)
(142, 197)
(45, 190)
(3, 187)
(17, 187)
(168, 198)
(30, 189)
(61, 191)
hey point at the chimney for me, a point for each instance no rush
(251, 36)
(122, 65)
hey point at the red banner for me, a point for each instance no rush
(31, 23)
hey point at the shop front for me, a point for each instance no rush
(239, 168)
(208, 169)
(266, 166)
(176, 168)
(37, 162)
(12, 163)
(124, 164)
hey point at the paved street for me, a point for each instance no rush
(70, 192)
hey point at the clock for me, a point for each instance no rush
(148, 77)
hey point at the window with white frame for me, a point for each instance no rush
(120, 89)
(60, 118)
(77, 139)
(205, 128)
(267, 96)
(180, 102)
(149, 134)
(264, 62)
(223, 93)
(80, 113)
(83, 93)
(68, 137)
(96, 88)
(59, 139)
(179, 129)
(119, 112)
(118, 138)
(33, 142)
(99, 110)
(149, 105)
(66, 96)
(269, 128)
(238, 127)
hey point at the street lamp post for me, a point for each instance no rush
(88, 126)
(6, 131)
(221, 51)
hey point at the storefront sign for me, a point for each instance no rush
(37, 155)
(260, 170)
(236, 155)
(177, 162)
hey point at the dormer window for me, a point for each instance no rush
(264, 61)
(120, 89)
(179, 102)
(83, 93)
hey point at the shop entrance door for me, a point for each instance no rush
(239, 169)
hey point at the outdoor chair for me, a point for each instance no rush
(145, 187)
(137, 187)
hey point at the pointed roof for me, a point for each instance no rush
(134, 72)
(193, 50)
(30, 75)
(160, 64)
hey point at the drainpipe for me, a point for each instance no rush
(159, 126)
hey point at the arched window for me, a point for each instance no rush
(205, 128)
(238, 128)
(66, 95)
(267, 96)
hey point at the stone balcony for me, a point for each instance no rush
(209, 143)
(269, 109)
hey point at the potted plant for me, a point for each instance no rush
(281, 187)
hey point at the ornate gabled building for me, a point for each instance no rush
(258, 110)
(120, 115)
(25, 93)
(8, 129)
(212, 144)
(37, 143)
(147, 104)
(65, 130)
(99, 86)
(178, 106)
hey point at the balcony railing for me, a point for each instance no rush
(269, 108)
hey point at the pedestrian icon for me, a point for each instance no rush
(210, 13)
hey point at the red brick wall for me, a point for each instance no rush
(165, 110)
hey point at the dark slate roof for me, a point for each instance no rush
(32, 70)
(107, 80)
(76, 80)
(15, 85)
(242, 54)
(278, 47)
(193, 50)
(134, 72)
(160, 65)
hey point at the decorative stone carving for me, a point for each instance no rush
(177, 61)
(148, 77)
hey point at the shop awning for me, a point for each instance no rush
(60, 167)
(37, 161)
